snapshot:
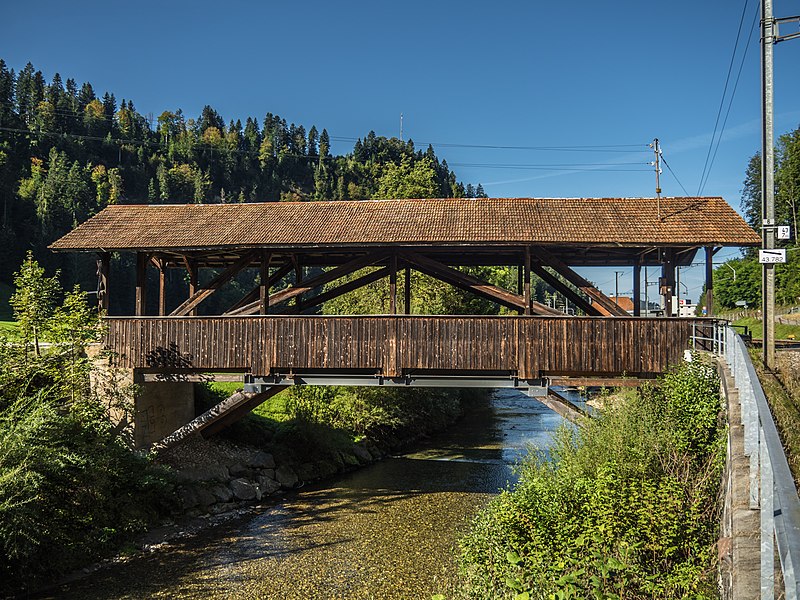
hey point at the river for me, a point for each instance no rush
(389, 530)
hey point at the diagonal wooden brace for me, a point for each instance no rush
(587, 288)
(567, 291)
(472, 284)
(212, 286)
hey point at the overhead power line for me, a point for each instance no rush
(706, 168)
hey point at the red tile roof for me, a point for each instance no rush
(488, 221)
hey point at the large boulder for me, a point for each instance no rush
(286, 476)
(262, 460)
(243, 489)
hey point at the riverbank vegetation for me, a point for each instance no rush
(625, 507)
(70, 489)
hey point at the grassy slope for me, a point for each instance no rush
(782, 331)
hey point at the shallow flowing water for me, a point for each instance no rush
(389, 530)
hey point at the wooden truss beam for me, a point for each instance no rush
(338, 291)
(253, 296)
(306, 286)
(472, 284)
(587, 288)
(567, 291)
(212, 286)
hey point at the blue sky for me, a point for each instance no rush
(530, 74)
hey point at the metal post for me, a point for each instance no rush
(637, 289)
(767, 182)
(616, 286)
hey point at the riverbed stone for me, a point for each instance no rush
(362, 454)
(308, 471)
(212, 472)
(205, 497)
(349, 458)
(222, 507)
(286, 476)
(243, 489)
(268, 473)
(326, 468)
(222, 493)
(262, 460)
(187, 497)
(267, 485)
(237, 470)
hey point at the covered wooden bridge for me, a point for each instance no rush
(307, 253)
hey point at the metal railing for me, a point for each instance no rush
(772, 490)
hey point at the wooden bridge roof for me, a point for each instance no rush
(584, 222)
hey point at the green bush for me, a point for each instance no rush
(624, 508)
(70, 490)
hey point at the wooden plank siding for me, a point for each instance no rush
(527, 347)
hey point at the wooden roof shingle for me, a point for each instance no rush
(446, 222)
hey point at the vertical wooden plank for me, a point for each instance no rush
(407, 291)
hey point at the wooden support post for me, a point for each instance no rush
(162, 288)
(298, 277)
(520, 279)
(191, 266)
(709, 281)
(667, 282)
(141, 283)
(527, 280)
(212, 286)
(103, 268)
(637, 289)
(393, 283)
(407, 291)
(263, 288)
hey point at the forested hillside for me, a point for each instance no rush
(67, 150)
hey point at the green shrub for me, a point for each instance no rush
(624, 508)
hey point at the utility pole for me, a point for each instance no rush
(657, 164)
(769, 37)
(616, 286)
(401, 127)
(767, 184)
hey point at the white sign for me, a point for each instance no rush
(772, 256)
(784, 232)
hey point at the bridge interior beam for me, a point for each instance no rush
(472, 284)
(249, 302)
(582, 284)
(567, 291)
(212, 286)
